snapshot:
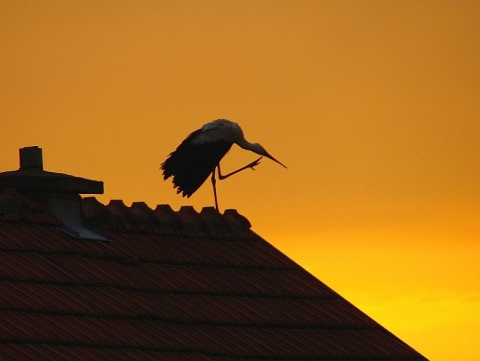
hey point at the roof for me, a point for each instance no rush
(166, 285)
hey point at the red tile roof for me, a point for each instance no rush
(167, 285)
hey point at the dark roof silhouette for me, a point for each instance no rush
(135, 283)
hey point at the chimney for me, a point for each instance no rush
(58, 192)
(31, 177)
(31, 158)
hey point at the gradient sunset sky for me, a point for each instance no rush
(374, 106)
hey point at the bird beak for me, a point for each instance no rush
(272, 158)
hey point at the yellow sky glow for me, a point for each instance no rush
(374, 106)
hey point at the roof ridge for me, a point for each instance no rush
(20, 206)
(139, 217)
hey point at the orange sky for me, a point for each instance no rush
(374, 106)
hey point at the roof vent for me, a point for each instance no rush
(59, 193)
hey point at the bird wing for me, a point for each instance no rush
(191, 163)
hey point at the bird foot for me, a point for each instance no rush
(254, 163)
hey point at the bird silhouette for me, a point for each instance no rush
(199, 155)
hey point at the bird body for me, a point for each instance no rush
(220, 130)
(201, 152)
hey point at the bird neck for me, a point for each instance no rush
(245, 144)
(253, 147)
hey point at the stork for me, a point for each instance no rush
(199, 155)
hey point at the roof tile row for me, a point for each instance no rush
(231, 341)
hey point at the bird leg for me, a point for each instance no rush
(221, 176)
(250, 165)
(214, 181)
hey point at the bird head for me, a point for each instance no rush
(259, 149)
